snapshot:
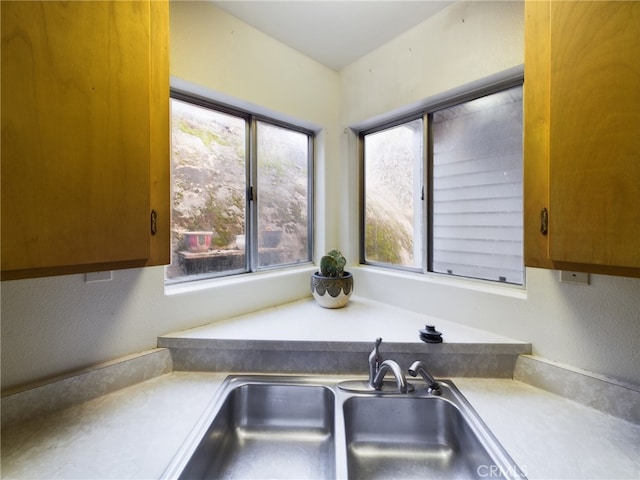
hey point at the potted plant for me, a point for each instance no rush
(198, 242)
(332, 286)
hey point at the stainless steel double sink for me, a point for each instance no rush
(273, 427)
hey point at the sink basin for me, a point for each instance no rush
(268, 431)
(413, 437)
(309, 427)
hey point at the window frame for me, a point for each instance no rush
(452, 98)
(252, 194)
(362, 215)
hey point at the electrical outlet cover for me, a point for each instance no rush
(578, 278)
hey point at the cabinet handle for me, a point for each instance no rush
(154, 222)
(544, 221)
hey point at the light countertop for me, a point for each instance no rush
(356, 325)
(299, 337)
(131, 433)
(552, 437)
(134, 432)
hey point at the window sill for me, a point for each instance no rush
(494, 288)
(237, 280)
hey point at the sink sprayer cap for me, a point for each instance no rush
(429, 334)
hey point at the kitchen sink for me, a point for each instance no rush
(265, 430)
(267, 426)
(412, 437)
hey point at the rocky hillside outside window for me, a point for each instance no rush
(241, 191)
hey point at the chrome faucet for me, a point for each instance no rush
(378, 368)
(386, 366)
(432, 386)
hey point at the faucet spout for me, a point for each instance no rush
(432, 386)
(393, 367)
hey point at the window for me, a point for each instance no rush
(241, 191)
(393, 206)
(468, 220)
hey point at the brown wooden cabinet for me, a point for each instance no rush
(85, 136)
(582, 136)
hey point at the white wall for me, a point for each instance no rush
(58, 324)
(593, 327)
(464, 42)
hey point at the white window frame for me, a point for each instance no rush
(252, 195)
(458, 96)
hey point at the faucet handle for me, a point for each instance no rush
(375, 359)
(375, 356)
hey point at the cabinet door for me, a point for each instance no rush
(76, 97)
(582, 136)
(160, 241)
(595, 133)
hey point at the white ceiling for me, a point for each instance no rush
(335, 33)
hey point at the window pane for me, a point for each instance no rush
(283, 195)
(208, 168)
(477, 188)
(393, 185)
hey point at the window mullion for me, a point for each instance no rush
(427, 193)
(310, 182)
(252, 181)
